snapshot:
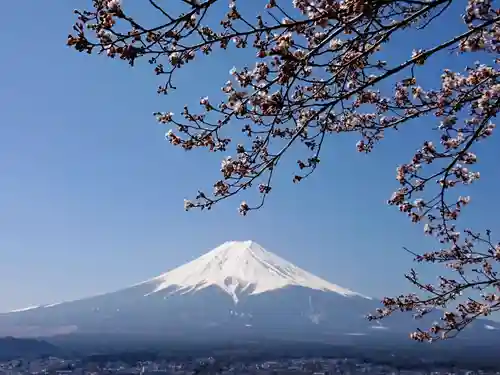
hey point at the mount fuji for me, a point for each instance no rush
(237, 290)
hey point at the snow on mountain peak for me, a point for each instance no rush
(241, 266)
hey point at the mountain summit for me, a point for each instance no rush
(236, 291)
(241, 267)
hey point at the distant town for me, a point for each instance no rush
(314, 366)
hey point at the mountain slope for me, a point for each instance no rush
(236, 290)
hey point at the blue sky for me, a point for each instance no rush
(91, 195)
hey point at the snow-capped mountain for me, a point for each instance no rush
(241, 268)
(237, 289)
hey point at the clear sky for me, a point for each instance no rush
(91, 195)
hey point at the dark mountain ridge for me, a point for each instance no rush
(11, 348)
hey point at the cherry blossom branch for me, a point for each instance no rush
(318, 72)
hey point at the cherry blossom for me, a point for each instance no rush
(318, 72)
